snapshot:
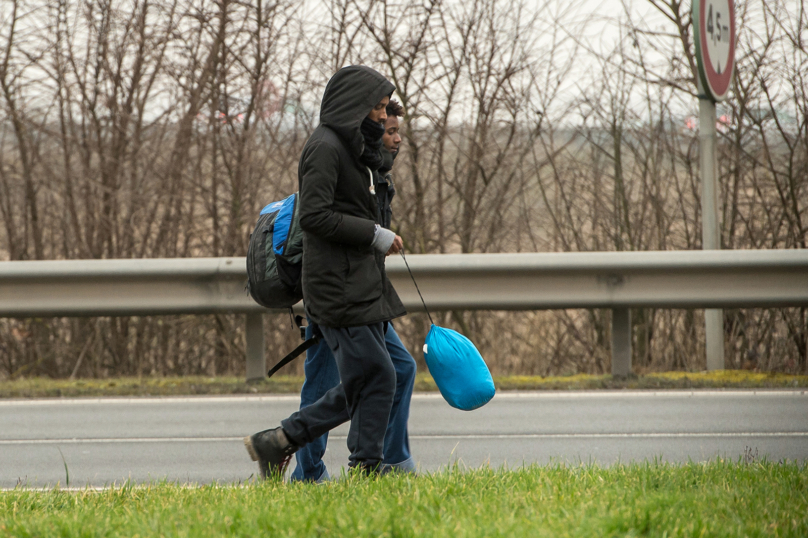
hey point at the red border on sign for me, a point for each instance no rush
(719, 84)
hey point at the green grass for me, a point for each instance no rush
(38, 387)
(719, 498)
(664, 380)
(41, 387)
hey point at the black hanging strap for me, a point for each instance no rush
(417, 289)
(314, 340)
(299, 323)
(296, 352)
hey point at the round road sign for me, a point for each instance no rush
(714, 24)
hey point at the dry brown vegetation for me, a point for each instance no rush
(158, 128)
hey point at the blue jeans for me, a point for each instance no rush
(322, 375)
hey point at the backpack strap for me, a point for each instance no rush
(299, 323)
(317, 335)
(295, 353)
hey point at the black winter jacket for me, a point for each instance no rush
(385, 189)
(344, 281)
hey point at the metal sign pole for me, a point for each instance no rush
(711, 237)
(714, 37)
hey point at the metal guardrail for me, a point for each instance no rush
(615, 280)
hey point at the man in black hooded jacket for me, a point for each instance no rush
(345, 287)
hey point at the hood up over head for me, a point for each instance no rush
(349, 97)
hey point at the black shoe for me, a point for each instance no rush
(364, 468)
(272, 450)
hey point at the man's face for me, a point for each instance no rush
(379, 112)
(391, 138)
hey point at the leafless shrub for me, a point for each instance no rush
(158, 128)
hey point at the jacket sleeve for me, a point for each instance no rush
(318, 182)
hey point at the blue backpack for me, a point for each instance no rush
(274, 264)
(458, 369)
(275, 255)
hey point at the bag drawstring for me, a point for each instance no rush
(416, 287)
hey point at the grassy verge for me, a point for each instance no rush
(665, 380)
(719, 498)
(193, 385)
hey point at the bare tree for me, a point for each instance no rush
(159, 128)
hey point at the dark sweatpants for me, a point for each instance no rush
(364, 396)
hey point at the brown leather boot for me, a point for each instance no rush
(272, 449)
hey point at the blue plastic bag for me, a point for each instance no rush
(458, 369)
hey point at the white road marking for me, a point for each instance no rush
(503, 395)
(471, 437)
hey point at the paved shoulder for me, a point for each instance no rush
(106, 440)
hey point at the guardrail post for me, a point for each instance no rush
(714, 330)
(621, 342)
(256, 364)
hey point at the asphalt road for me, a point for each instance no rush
(198, 439)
